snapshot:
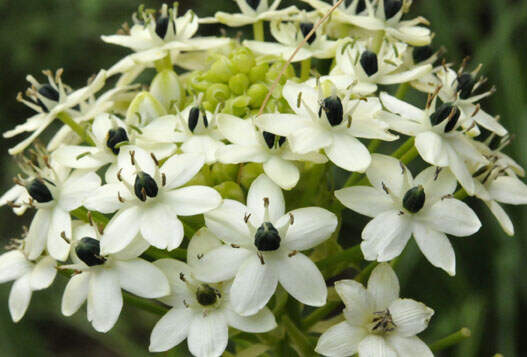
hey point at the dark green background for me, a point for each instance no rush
(489, 292)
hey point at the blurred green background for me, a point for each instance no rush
(489, 292)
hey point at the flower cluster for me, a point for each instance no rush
(212, 194)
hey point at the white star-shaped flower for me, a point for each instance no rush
(262, 247)
(253, 11)
(201, 312)
(436, 136)
(28, 275)
(99, 278)
(330, 123)
(377, 322)
(402, 206)
(149, 198)
(249, 144)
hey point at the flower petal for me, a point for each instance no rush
(365, 200)
(508, 189)
(237, 130)
(43, 273)
(227, 222)
(262, 321)
(19, 297)
(192, 200)
(431, 148)
(436, 247)
(284, 173)
(348, 153)
(37, 235)
(502, 217)
(60, 225)
(375, 346)
(409, 346)
(171, 329)
(452, 216)
(340, 340)
(220, 264)
(105, 299)
(201, 243)
(402, 108)
(13, 264)
(387, 171)
(161, 228)
(410, 317)
(263, 188)
(359, 303)
(311, 226)
(208, 335)
(309, 138)
(236, 154)
(383, 286)
(179, 169)
(75, 294)
(142, 278)
(121, 230)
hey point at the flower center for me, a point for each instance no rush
(448, 112)
(47, 91)
(369, 62)
(465, 85)
(38, 190)
(114, 137)
(414, 199)
(89, 251)
(391, 8)
(361, 6)
(306, 28)
(332, 106)
(382, 322)
(422, 53)
(267, 237)
(162, 26)
(253, 3)
(145, 186)
(193, 119)
(207, 295)
(270, 139)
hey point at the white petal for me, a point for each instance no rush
(409, 346)
(309, 98)
(179, 169)
(105, 298)
(431, 148)
(208, 335)
(348, 153)
(237, 130)
(60, 224)
(236, 154)
(311, 226)
(284, 173)
(452, 217)
(385, 236)
(220, 264)
(387, 171)
(161, 228)
(121, 230)
(253, 286)
(43, 273)
(13, 265)
(365, 200)
(301, 278)
(201, 243)
(105, 199)
(281, 124)
(340, 340)
(38, 233)
(436, 247)
(75, 156)
(142, 278)
(19, 297)
(383, 286)
(75, 293)
(309, 138)
(375, 346)
(502, 217)
(179, 290)
(488, 122)
(262, 321)
(171, 329)
(410, 317)
(436, 185)
(76, 188)
(192, 200)
(227, 222)
(508, 189)
(400, 107)
(263, 188)
(358, 301)
(459, 169)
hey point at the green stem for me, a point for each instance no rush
(305, 69)
(146, 305)
(401, 90)
(319, 314)
(68, 120)
(82, 214)
(461, 194)
(451, 340)
(407, 145)
(365, 273)
(409, 156)
(163, 63)
(155, 254)
(352, 254)
(299, 339)
(374, 145)
(377, 41)
(258, 30)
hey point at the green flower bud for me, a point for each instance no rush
(248, 173)
(218, 92)
(257, 92)
(198, 82)
(414, 199)
(224, 172)
(89, 251)
(230, 190)
(209, 106)
(144, 108)
(258, 72)
(267, 237)
(220, 71)
(166, 88)
(276, 68)
(242, 62)
(239, 83)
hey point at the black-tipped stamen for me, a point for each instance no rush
(369, 62)
(89, 251)
(193, 117)
(145, 186)
(421, 54)
(115, 137)
(253, 3)
(332, 106)
(162, 26)
(48, 92)
(391, 8)
(267, 237)
(270, 139)
(414, 199)
(465, 85)
(306, 28)
(207, 295)
(495, 142)
(38, 190)
(446, 111)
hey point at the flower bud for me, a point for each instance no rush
(465, 85)
(306, 28)
(220, 71)
(443, 112)
(275, 70)
(414, 199)
(89, 251)
(267, 237)
(218, 92)
(422, 53)
(162, 26)
(242, 61)
(248, 173)
(207, 295)
(257, 92)
(391, 8)
(239, 83)
(258, 72)
(114, 137)
(369, 62)
(166, 88)
(230, 190)
(144, 186)
(270, 139)
(332, 106)
(38, 190)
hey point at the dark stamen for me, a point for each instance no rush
(369, 62)
(89, 251)
(39, 191)
(306, 28)
(267, 237)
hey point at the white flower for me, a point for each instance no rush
(262, 248)
(377, 322)
(331, 123)
(198, 132)
(148, 199)
(55, 191)
(29, 275)
(252, 145)
(253, 11)
(402, 206)
(99, 278)
(436, 138)
(49, 100)
(201, 312)
(289, 35)
(363, 70)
